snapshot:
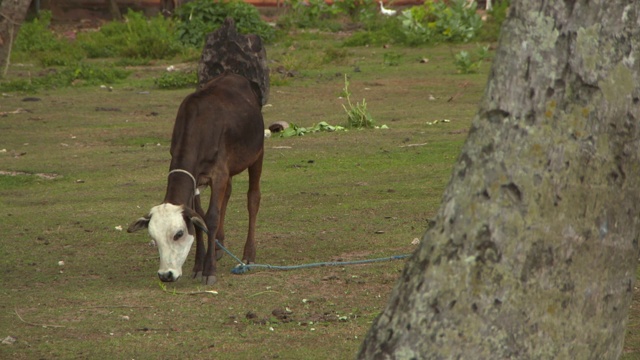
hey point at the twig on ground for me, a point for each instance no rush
(34, 324)
(115, 306)
(264, 292)
(463, 87)
(412, 145)
(16, 111)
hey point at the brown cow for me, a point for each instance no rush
(218, 133)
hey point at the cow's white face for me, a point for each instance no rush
(173, 232)
(170, 232)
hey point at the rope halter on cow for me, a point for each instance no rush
(196, 192)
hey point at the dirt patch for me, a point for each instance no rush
(46, 176)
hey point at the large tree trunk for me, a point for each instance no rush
(534, 251)
(12, 14)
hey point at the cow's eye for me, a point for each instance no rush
(178, 235)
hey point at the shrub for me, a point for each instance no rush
(357, 10)
(433, 21)
(136, 37)
(36, 41)
(35, 36)
(305, 14)
(198, 18)
(99, 44)
(177, 80)
(150, 38)
(437, 21)
(62, 58)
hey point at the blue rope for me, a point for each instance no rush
(242, 268)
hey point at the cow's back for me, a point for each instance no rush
(224, 117)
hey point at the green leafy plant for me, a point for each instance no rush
(150, 38)
(432, 22)
(35, 36)
(357, 114)
(295, 130)
(136, 37)
(357, 10)
(93, 74)
(198, 18)
(464, 64)
(69, 56)
(387, 32)
(305, 14)
(177, 80)
(36, 41)
(455, 21)
(467, 64)
(99, 44)
(392, 58)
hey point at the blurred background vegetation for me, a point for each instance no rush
(102, 56)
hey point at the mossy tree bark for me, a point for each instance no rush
(12, 14)
(534, 251)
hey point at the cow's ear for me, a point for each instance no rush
(195, 219)
(141, 223)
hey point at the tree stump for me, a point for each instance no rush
(244, 55)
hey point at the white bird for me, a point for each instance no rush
(386, 11)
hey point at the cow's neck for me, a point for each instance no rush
(180, 190)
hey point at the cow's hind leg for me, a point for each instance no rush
(253, 205)
(223, 212)
(200, 250)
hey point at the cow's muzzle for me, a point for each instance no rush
(168, 276)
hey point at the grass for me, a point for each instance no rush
(326, 197)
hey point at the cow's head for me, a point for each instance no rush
(172, 228)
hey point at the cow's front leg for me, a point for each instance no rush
(212, 219)
(210, 263)
(200, 249)
(223, 211)
(209, 268)
(200, 254)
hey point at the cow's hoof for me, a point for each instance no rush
(209, 280)
(197, 275)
